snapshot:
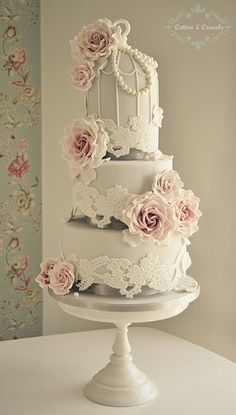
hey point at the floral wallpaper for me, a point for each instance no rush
(20, 169)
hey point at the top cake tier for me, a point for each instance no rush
(121, 89)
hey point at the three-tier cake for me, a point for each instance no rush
(131, 218)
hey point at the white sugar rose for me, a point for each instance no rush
(83, 75)
(187, 213)
(94, 41)
(84, 145)
(148, 216)
(167, 183)
(61, 278)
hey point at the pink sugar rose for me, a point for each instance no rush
(83, 75)
(94, 41)
(16, 58)
(167, 183)
(84, 144)
(187, 213)
(43, 279)
(148, 216)
(18, 167)
(62, 278)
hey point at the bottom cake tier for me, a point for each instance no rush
(101, 257)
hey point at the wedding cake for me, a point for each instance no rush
(131, 218)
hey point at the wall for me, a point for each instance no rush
(197, 93)
(20, 169)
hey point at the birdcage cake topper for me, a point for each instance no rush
(124, 94)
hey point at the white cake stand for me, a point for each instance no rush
(120, 382)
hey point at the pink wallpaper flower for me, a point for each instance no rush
(24, 144)
(18, 167)
(11, 32)
(29, 94)
(16, 57)
(19, 265)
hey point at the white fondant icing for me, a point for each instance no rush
(134, 175)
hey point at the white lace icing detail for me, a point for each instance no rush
(121, 274)
(140, 134)
(100, 208)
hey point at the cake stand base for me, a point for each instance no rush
(120, 382)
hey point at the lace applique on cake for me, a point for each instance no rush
(139, 135)
(128, 278)
(100, 208)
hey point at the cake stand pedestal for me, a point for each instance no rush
(120, 382)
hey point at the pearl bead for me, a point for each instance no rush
(142, 59)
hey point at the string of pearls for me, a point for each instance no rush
(143, 60)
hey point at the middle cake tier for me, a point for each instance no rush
(100, 256)
(103, 200)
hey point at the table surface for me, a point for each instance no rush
(46, 375)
